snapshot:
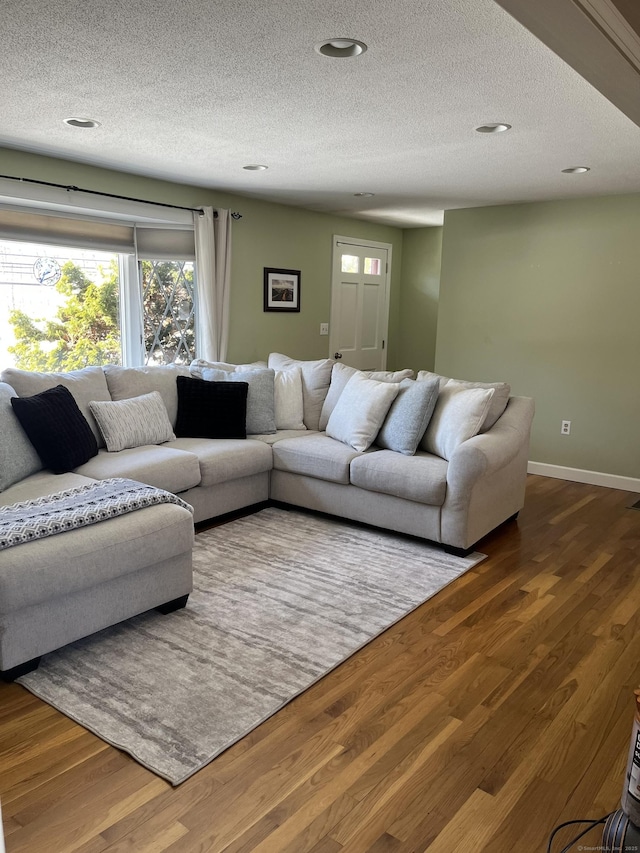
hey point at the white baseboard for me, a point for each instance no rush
(578, 475)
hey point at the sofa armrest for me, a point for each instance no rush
(492, 450)
(486, 477)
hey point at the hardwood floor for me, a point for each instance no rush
(495, 711)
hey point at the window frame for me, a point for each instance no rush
(152, 227)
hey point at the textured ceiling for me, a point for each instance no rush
(191, 91)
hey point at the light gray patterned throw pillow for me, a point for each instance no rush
(409, 416)
(133, 422)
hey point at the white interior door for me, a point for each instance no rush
(360, 303)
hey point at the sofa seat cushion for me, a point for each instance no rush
(40, 484)
(421, 478)
(60, 565)
(224, 459)
(163, 466)
(315, 455)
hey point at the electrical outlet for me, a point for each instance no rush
(565, 428)
(324, 328)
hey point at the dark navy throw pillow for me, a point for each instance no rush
(57, 428)
(211, 409)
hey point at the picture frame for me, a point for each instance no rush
(281, 289)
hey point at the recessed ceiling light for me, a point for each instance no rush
(499, 127)
(255, 167)
(364, 195)
(81, 122)
(576, 170)
(340, 48)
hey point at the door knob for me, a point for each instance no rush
(337, 355)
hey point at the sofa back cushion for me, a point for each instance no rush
(85, 385)
(134, 422)
(458, 416)
(316, 378)
(56, 428)
(18, 457)
(502, 391)
(126, 382)
(199, 364)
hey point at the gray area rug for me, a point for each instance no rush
(280, 599)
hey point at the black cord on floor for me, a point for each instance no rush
(592, 823)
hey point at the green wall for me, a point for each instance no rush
(547, 297)
(421, 259)
(268, 235)
(544, 295)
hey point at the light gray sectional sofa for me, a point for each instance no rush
(61, 588)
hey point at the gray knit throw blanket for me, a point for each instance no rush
(62, 511)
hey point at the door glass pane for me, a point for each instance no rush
(59, 307)
(350, 263)
(372, 266)
(168, 306)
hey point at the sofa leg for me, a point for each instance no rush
(9, 675)
(457, 552)
(170, 606)
(514, 516)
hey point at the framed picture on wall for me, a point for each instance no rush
(281, 289)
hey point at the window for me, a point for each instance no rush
(64, 308)
(59, 306)
(88, 285)
(168, 300)
(350, 263)
(372, 266)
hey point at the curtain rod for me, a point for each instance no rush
(70, 188)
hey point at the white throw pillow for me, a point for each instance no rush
(316, 378)
(288, 399)
(342, 373)
(459, 413)
(361, 410)
(499, 401)
(133, 422)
